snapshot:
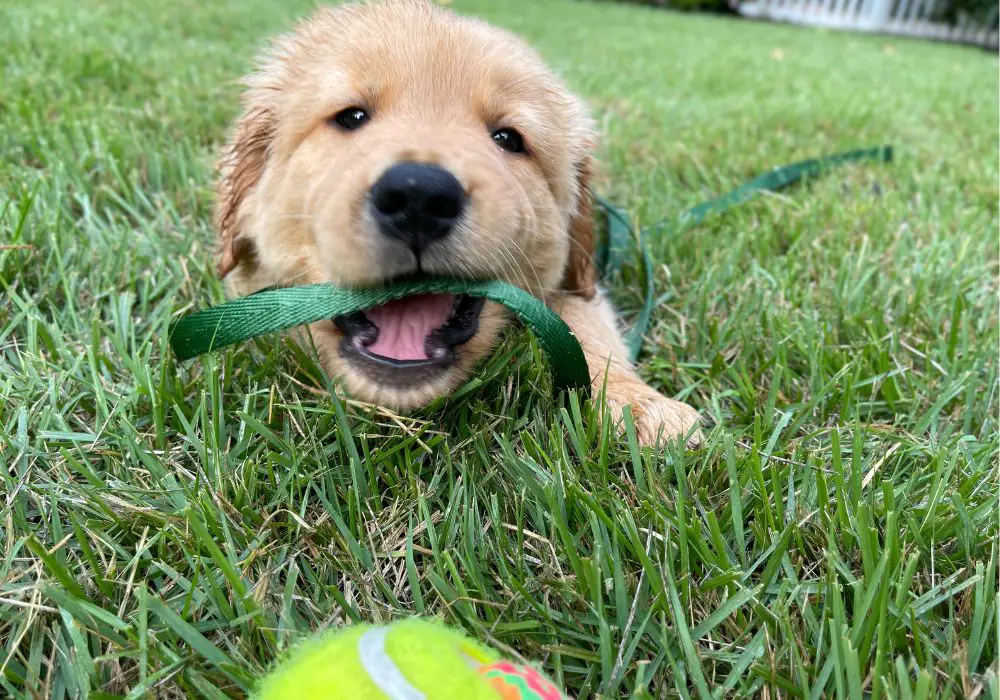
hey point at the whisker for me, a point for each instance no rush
(534, 272)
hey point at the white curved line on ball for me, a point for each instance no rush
(381, 668)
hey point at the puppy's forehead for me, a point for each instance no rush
(409, 56)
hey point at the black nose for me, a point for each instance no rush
(417, 203)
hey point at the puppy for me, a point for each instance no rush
(394, 138)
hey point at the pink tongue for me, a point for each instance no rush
(404, 324)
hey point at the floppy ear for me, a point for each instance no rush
(581, 275)
(242, 163)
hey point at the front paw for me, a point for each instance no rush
(656, 417)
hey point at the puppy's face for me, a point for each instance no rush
(394, 139)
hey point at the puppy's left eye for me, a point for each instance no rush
(509, 140)
(351, 118)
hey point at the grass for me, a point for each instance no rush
(168, 530)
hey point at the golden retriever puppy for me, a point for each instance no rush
(394, 138)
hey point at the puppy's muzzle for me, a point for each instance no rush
(417, 203)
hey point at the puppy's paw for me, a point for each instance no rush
(656, 417)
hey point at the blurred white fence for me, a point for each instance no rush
(906, 17)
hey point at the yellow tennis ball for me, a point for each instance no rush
(413, 659)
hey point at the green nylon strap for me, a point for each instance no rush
(274, 310)
(621, 235)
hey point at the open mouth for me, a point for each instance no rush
(409, 339)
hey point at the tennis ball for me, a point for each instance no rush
(413, 659)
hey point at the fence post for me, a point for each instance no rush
(880, 11)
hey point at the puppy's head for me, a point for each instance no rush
(395, 138)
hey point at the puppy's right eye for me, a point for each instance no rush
(350, 119)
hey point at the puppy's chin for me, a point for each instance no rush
(407, 384)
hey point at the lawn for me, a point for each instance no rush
(168, 529)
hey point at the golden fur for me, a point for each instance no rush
(292, 191)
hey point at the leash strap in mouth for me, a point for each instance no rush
(273, 310)
(277, 309)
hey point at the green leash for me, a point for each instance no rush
(274, 310)
(621, 234)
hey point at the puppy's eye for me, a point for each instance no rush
(509, 140)
(351, 118)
